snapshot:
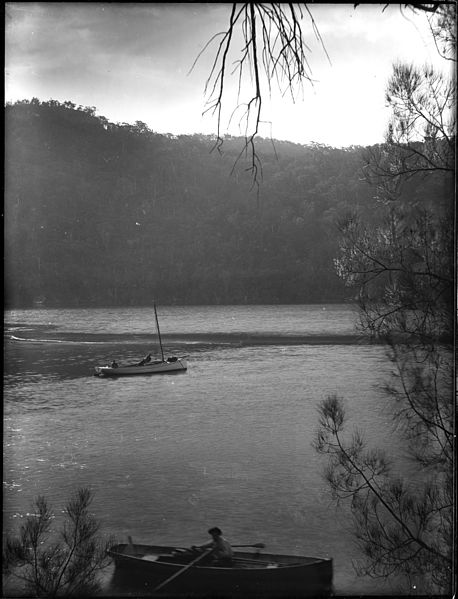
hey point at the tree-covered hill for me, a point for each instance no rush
(98, 213)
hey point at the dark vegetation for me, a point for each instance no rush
(403, 269)
(62, 560)
(114, 214)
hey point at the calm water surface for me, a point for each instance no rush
(227, 443)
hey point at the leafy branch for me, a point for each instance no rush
(64, 562)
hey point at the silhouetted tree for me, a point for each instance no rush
(271, 48)
(58, 563)
(402, 267)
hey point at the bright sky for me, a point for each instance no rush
(132, 61)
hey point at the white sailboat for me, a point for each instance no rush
(145, 366)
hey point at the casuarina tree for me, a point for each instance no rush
(63, 562)
(400, 266)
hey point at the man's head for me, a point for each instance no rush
(215, 532)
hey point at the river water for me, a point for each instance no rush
(228, 443)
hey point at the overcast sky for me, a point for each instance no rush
(132, 62)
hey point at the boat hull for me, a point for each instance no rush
(251, 575)
(135, 369)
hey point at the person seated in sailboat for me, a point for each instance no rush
(114, 364)
(145, 360)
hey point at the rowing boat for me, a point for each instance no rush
(251, 574)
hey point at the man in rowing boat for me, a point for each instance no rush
(221, 549)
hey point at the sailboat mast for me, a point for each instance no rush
(158, 332)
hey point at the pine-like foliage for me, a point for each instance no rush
(63, 562)
(400, 265)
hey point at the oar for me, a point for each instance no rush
(201, 556)
(255, 545)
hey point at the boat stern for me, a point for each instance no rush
(102, 370)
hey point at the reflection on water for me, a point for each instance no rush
(294, 319)
(228, 443)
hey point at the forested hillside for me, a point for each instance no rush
(114, 214)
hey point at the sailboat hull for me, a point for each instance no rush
(159, 367)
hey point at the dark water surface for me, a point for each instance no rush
(227, 443)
